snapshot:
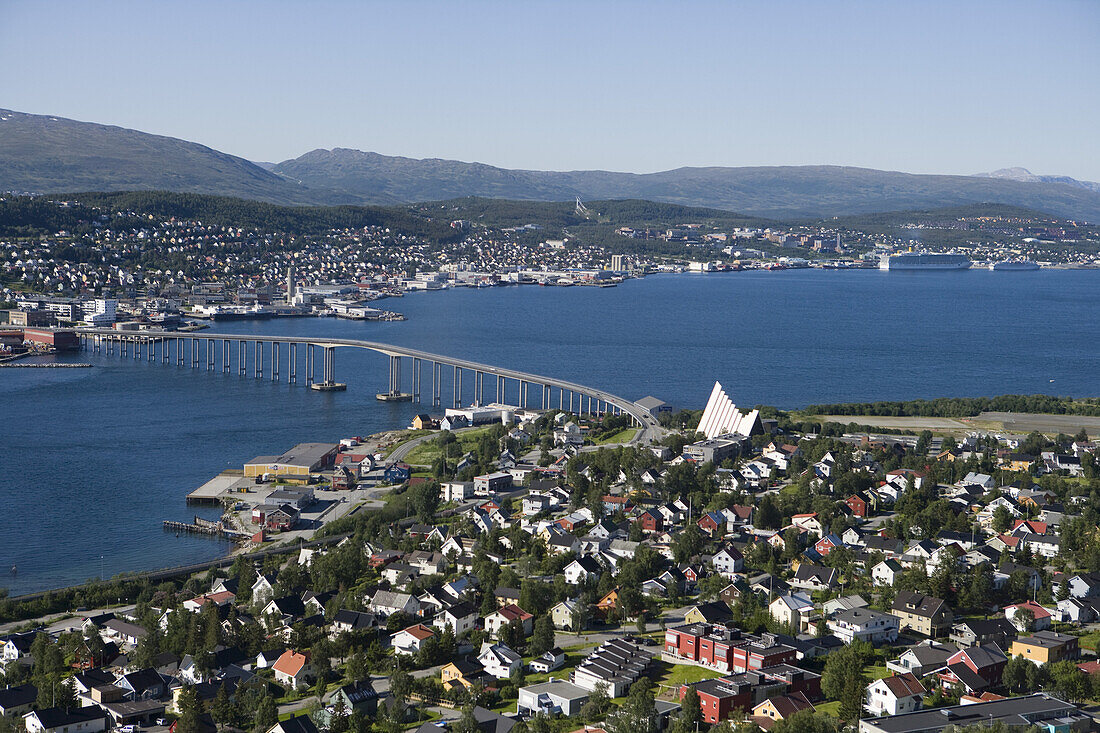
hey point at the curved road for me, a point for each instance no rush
(649, 426)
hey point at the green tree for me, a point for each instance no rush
(1002, 519)
(691, 714)
(222, 709)
(267, 712)
(543, 639)
(189, 709)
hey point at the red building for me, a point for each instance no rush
(651, 521)
(726, 650)
(975, 669)
(858, 505)
(719, 698)
(61, 340)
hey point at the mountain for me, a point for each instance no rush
(55, 155)
(781, 192)
(1023, 174)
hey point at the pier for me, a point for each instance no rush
(206, 527)
(263, 357)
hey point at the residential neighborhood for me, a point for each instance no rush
(524, 576)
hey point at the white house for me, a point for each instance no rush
(58, 720)
(865, 625)
(886, 572)
(581, 569)
(461, 618)
(499, 660)
(901, 693)
(409, 641)
(728, 561)
(293, 670)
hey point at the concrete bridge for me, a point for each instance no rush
(246, 354)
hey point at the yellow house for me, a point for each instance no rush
(780, 708)
(1045, 647)
(298, 462)
(462, 672)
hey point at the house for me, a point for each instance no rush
(894, 695)
(795, 610)
(608, 603)
(461, 673)
(347, 622)
(357, 697)
(975, 669)
(713, 523)
(297, 724)
(650, 521)
(555, 697)
(496, 621)
(712, 612)
(728, 561)
(268, 657)
(814, 577)
(1013, 713)
(779, 708)
(923, 614)
(843, 603)
(293, 670)
(977, 632)
(123, 632)
(616, 663)
(726, 650)
(499, 660)
(90, 719)
(720, 697)
(386, 603)
(492, 483)
(1028, 616)
(809, 522)
(581, 569)
(408, 641)
(142, 684)
(461, 617)
(562, 614)
(548, 662)
(1045, 647)
(886, 572)
(865, 625)
(17, 699)
(1084, 585)
(1079, 610)
(923, 659)
(827, 544)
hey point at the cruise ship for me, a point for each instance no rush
(1014, 265)
(924, 261)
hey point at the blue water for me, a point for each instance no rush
(94, 459)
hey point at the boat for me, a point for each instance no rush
(925, 261)
(1014, 265)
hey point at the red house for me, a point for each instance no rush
(713, 523)
(827, 544)
(859, 505)
(975, 669)
(651, 521)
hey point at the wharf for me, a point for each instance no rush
(205, 526)
(220, 488)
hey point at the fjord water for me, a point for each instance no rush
(94, 459)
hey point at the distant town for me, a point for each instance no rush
(136, 270)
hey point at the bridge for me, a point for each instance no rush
(245, 354)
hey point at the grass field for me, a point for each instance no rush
(829, 708)
(429, 451)
(876, 672)
(1091, 641)
(684, 674)
(622, 436)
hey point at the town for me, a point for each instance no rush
(118, 265)
(497, 569)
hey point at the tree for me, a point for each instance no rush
(842, 678)
(1014, 675)
(691, 714)
(636, 714)
(543, 639)
(467, 723)
(190, 710)
(1002, 519)
(687, 544)
(1024, 619)
(598, 702)
(267, 712)
(221, 708)
(338, 719)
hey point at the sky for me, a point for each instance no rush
(925, 87)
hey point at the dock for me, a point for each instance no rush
(225, 486)
(206, 527)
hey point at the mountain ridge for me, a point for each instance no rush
(49, 154)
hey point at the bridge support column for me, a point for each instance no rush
(561, 399)
(330, 364)
(151, 352)
(258, 358)
(137, 347)
(457, 383)
(211, 354)
(225, 356)
(274, 361)
(437, 387)
(194, 353)
(309, 364)
(242, 357)
(416, 380)
(501, 390)
(292, 363)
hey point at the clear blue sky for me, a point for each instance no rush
(948, 87)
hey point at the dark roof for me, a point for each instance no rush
(142, 680)
(359, 692)
(918, 604)
(714, 611)
(59, 717)
(1016, 712)
(300, 724)
(17, 696)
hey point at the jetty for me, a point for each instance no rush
(206, 527)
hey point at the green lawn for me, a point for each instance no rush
(831, 708)
(1091, 641)
(685, 674)
(622, 436)
(876, 672)
(429, 451)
